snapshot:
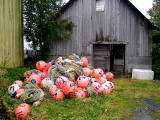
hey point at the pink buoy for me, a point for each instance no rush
(34, 79)
(97, 87)
(102, 80)
(87, 72)
(85, 61)
(60, 81)
(18, 82)
(83, 81)
(60, 58)
(52, 88)
(68, 88)
(40, 65)
(58, 94)
(22, 111)
(97, 73)
(107, 89)
(43, 75)
(80, 93)
(109, 76)
(19, 93)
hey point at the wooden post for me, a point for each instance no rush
(11, 39)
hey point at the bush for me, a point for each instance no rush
(156, 59)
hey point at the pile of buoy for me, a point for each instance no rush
(91, 81)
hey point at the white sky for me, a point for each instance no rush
(142, 5)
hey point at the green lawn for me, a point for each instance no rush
(120, 104)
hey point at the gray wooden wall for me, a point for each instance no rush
(118, 24)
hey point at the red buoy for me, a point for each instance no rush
(83, 81)
(68, 88)
(58, 94)
(34, 79)
(87, 72)
(40, 65)
(60, 81)
(97, 87)
(22, 111)
(85, 61)
(109, 76)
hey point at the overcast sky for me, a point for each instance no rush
(143, 5)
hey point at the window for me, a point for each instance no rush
(100, 5)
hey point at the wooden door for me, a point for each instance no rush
(119, 58)
(101, 56)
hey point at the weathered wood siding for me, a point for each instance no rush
(118, 24)
(11, 43)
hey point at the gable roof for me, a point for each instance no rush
(70, 2)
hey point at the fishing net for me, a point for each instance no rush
(32, 93)
(69, 69)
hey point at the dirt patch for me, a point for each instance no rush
(3, 72)
(3, 110)
(143, 113)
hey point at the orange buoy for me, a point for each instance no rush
(60, 81)
(97, 73)
(18, 82)
(52, 88)
(25, 75)
(34, 79)
(48, 65)
(87, 72)
(109, 76)
(85, 61)
(83, 81)
(68, 88)
(97, 87)
(43, 75)
(19, 93)
(40, 65)
(22, 111)
(80, 93)
(102, 80)
(107, 89)
(58, 94)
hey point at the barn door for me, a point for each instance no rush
(101, 56)
(119, 58)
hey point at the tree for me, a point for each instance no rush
(154, 12)
(41, 26)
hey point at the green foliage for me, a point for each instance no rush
(154, 12)
(41, 26)
(156, 59)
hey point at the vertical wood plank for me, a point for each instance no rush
(11, 47)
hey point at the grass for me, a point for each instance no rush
(120, 104)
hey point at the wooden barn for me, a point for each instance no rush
(112, 34)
